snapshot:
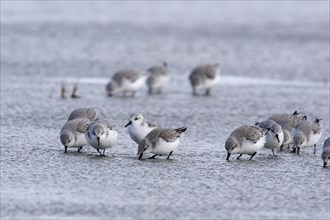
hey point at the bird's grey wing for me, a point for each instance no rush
(266, 124)
(327, 143)
(149, 140)
(82, 125)
(107, 124)
(169, 135)
(150, 124)
(77, 113)
(131, 75)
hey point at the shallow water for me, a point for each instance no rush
(271, 62)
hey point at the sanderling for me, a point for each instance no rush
(326, 152)
(88, 113)
(246, 140)
(275, 136)
(72, 133)
(100, 135)
(306, 134)
(157, 79)
(125, 81)
(204, 77)
(161, 142)
(287, 122)
(139, 127)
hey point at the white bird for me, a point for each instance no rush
(72, 133)
(246, 140)
(100, 135)
(161, 142)
(138, 127)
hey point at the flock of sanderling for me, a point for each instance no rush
(84, 127)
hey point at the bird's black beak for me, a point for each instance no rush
(98, 141)
(228, 155)
(278, 139)
(141, 154)
(325, 164)
(130, 122)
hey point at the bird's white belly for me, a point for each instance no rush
(81, 141)
(314, 138)
(162, 80)
(164, 148)
(105, 142)
(137, 133)
(133, 86)
(249, 147)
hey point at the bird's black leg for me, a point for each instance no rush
(152, 157)
(298, 150)
(65, 149)
(252, 155)
(141, 154)
(79, 149)
(228, 155)
(104, 152)
(99, 152)
(168, 157)
(274, 153)
(294, 149)
(207, 92)
(324, 164)
(239, 156)
(281, 148)
(314, 148)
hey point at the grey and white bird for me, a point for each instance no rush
(204, 77)
(161, 142)
(326, 152)
(275, 136)
(287, 122)
(138, 127)
(306, 134)
(158, 77)
(89, 113)
(72, 133)
(101, 135)
(126, 81)
(246, 140)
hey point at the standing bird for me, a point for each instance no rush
(275, 136)
(72, 133)
(204, 77)
(125, 81)
(306, 134)
(89, 113)
(157, 79)
(138, 127)
(326, 152)
(161, 142)
(246, 140)
(100, 135)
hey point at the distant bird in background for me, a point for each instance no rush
(204, 77)
(158, 78)
(126, 81)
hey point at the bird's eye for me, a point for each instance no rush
(136, 119)
(69, 141)
(94, 133)
(102, 133)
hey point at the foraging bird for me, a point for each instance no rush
(246, 140)
(275, 136)
(72, 133)
(326, 152)
(100, 135)
(161, 142)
